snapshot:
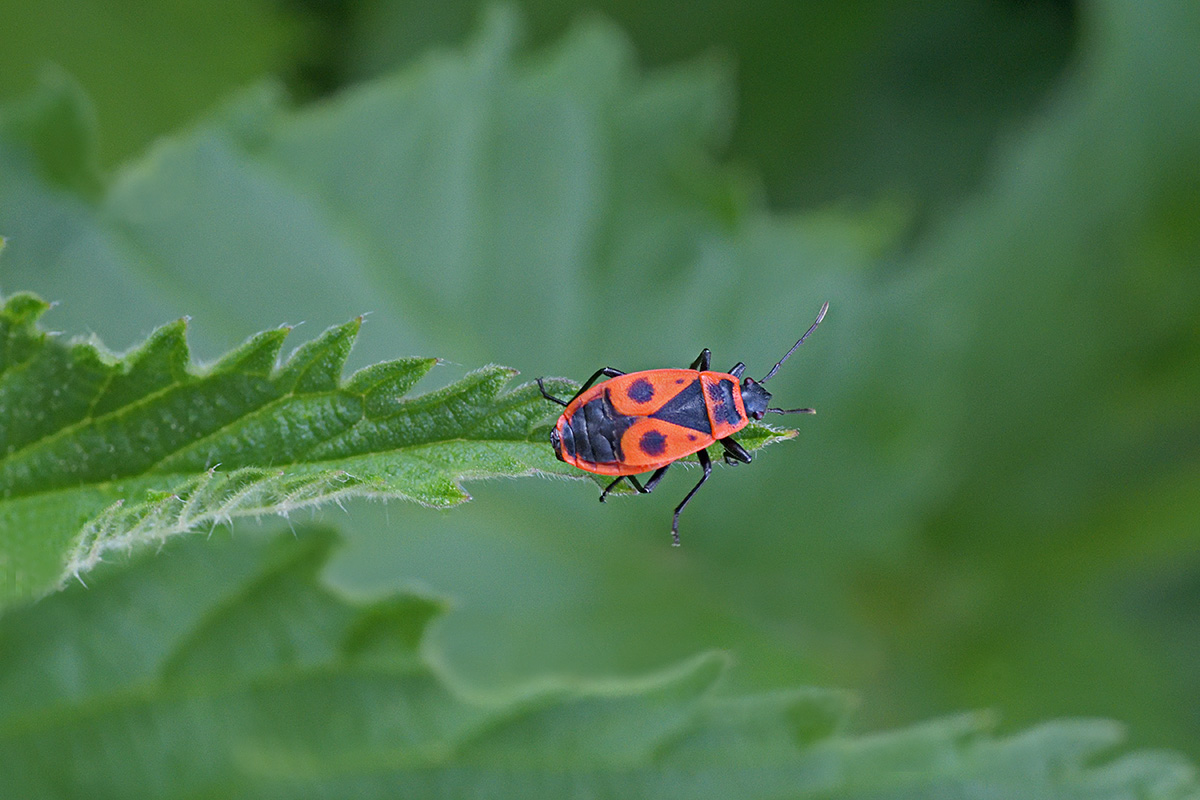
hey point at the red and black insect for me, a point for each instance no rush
(643, 421)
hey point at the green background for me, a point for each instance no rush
(998, 503)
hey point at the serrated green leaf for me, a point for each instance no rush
(230, 670)
(102, 452)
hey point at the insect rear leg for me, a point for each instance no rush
(734, 452)
(702, 361)
(706, 464)
(607, 372)
(549, 396)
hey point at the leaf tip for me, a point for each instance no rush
(258, 355)
(317, 365)
(24, 308)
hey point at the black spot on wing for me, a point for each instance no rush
(686, 409)
(640, 391)
(653, 443)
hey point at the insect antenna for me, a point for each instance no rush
(792, 410)
(771, 374)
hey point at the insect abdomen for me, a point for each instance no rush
(593, 433)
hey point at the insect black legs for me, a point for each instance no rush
(613, 485)
(655, 478)
(607, 372)
(734, 452)
(702, 361)
(706, 465)
(647, 489)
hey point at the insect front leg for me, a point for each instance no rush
(702, 361)
(734, 452)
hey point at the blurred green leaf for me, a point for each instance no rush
(148, 68)
(227, 671)
(1067, 371)
(837, 101)
(54, 125)
(531, 191)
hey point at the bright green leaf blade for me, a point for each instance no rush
(230, 670)
(103, 452)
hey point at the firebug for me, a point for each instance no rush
(645, 421)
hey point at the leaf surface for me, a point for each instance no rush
(228, 669)
(104, 453)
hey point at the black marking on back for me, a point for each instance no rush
(595, 431)
(686, 409)
(640, 391)
(723, 408)
(653, 443)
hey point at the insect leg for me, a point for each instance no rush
(549, 396)
(702, 361)
(654, 479)
(706, 464)
(607, 372)
(737, 370)
(647, 489)
(734, 452)
(612, 486)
